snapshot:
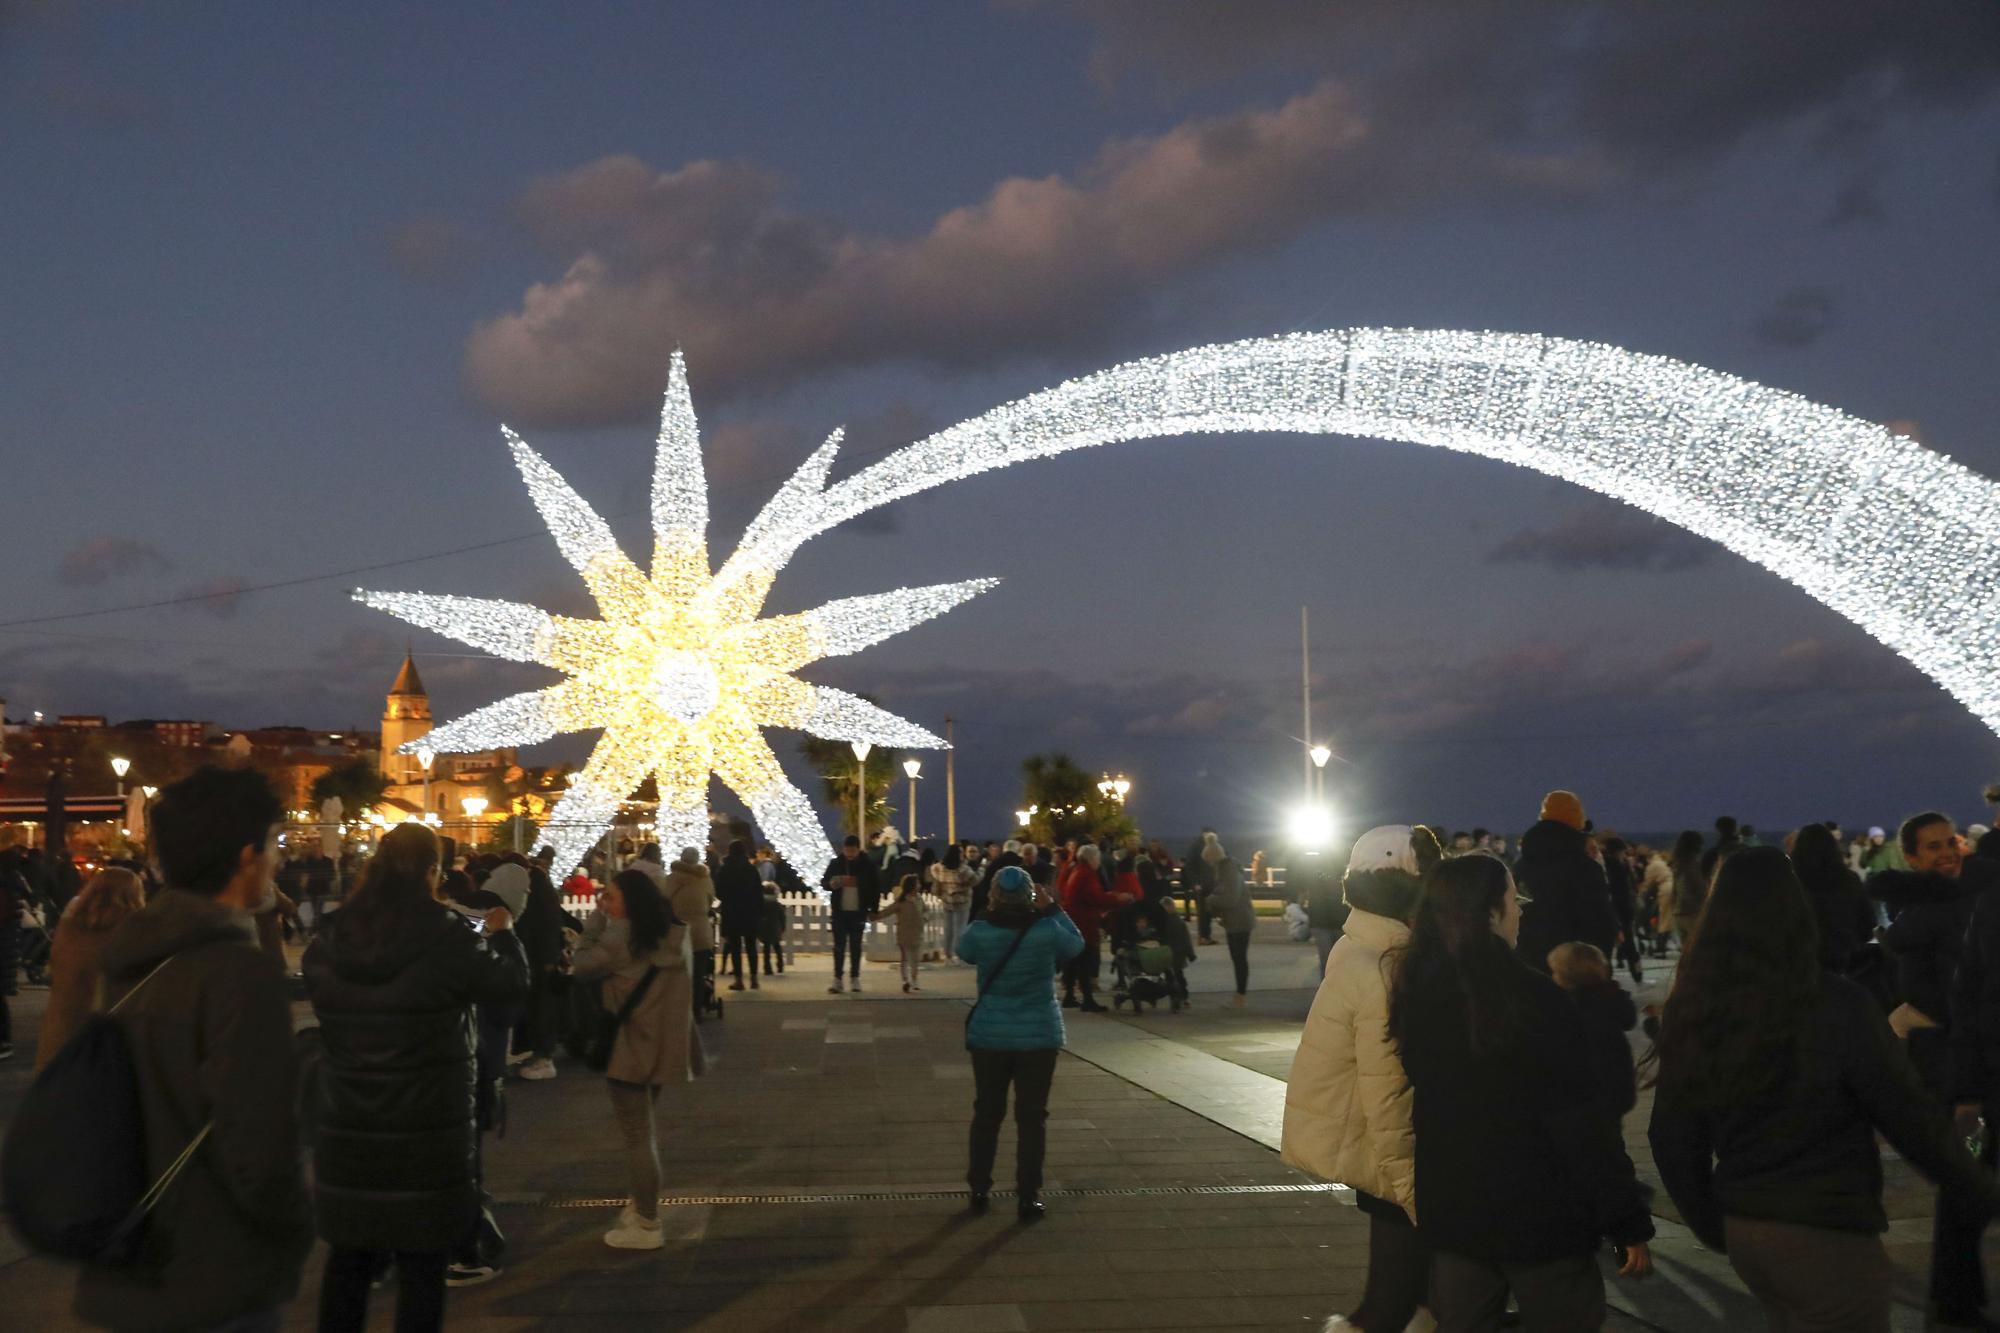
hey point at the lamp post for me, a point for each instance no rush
(861, 749)
(426, 757)
(1320, 754)
(1121, 787)
(474, 807)
(1022, 816)
(911, 766)
(121, 767)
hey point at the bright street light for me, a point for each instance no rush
(1309, 826)
(911, 766)
(1320, 754)
(121, 767)
(1022, 816)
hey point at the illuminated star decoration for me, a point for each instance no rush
(680, 672)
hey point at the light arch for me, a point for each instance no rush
(1897, 538)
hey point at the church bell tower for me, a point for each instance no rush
(406, 717)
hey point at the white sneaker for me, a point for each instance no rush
(539, 1069)
(635, 1233)
(837, 987)
(857, 985)
(519, 1058)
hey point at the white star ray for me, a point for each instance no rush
(513, 630)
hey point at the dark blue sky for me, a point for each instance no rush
(274, 276)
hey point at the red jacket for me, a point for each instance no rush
(1086, 899)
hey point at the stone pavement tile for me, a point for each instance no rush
(966, 1319)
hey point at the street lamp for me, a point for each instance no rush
(861, 749)
(121, 767)
(1320, 754)
(426, 757)
(474, 807)
(1121, 786)
(1022, 816)
(911, 766)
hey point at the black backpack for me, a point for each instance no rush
(73, 1168)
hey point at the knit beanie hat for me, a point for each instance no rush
(1564, 808)
(690, 856)
(1013, 887)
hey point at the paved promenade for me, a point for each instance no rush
(816, 1181)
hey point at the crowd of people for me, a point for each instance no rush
(1466, 1064)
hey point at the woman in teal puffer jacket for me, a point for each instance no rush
(1015, 1030)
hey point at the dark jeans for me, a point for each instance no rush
(1399, 1270)
(343, 1292)
(1958, 1281)
(734, 945)
(1559, 1296)
(1030, 1073)
(1239, 957)
(847, 931)
(774, 955)
(1201, 911)
(6, 1023)
(1811, 1280)
(1083, 970)
(541, 1016)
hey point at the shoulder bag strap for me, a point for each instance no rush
(998, 968)
(631, 1004)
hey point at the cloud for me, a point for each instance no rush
(1605, 537)
(1798, 318)
(710, 257)
(101, 559)
(1638, 84)
(430, 249)
(220, 597)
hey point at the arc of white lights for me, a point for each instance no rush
(1768, 474)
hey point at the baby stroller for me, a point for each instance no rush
(1143, 973)
(33, 915)
(707, 996)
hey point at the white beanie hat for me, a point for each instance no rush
(1386, 847)
(509, 883)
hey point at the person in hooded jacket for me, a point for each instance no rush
(1775, 1079)
(393, 979)
(210, 1029)
(1845, 917)
(1563, 890)
(1520, 1176)
(1015, 1029)
(740, 895)
(1347, 1102)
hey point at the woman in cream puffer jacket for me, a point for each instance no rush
(1347, 1105)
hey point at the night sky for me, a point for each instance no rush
(271, 278)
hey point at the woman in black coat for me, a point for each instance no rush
(1840, 906)
(392, 979)
(1520, 1175)
(1775, 1077)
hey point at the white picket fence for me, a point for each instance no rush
(809, 927)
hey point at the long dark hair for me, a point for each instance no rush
(1452, 943)
(1750, 976)
(647, 915)
(1687, 850)
(1817, 859)
(393, 888)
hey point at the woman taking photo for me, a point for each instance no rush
(1015, 1029)
(1775, 1077)
(392, 978)
(1347, 1103)
(633, 940)
(1520, 1176)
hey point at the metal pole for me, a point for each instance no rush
(861, 801)
(913, 809)
(950, 788)
(1306, 697)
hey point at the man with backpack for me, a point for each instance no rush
(210, 1032)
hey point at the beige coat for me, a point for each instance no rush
(1347, 1106)
(690, 893)
(73, 979)
(658, 1044)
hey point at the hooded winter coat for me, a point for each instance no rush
(1347, 1104)
(657, 1045)
(1230, 899)
(1017, 1009)
(1929, 915)
(687, 892)
(211, 1039)
(396, 1160)
(1572, 900)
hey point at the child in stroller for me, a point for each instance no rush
(1148, 952)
